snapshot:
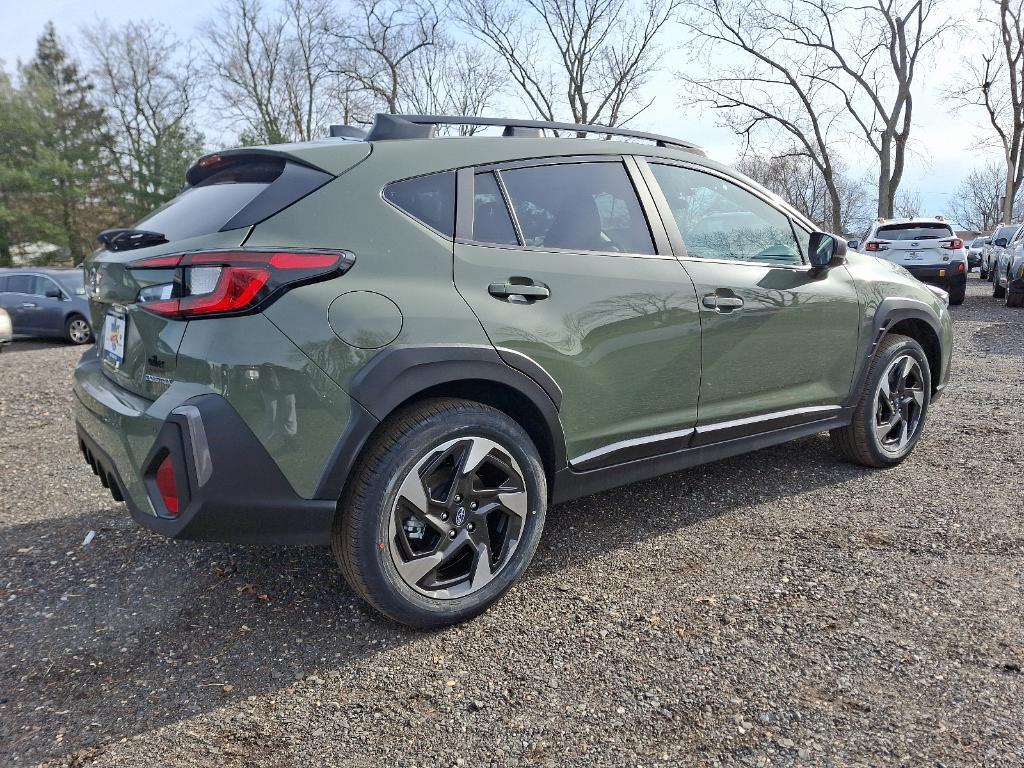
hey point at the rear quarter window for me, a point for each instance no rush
(428, 199)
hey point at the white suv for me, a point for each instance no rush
(927, 247)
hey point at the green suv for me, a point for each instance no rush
(409, 346)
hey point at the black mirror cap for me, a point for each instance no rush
(1000, 242)
(826, 250)
(853, 245)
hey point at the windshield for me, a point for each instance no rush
(1006, 232)
(918, 231)
(74, 282)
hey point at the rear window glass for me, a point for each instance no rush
(578, 206)
(429, 199)
(209, 205)
(1006, 232)
(21, 283)
(914, 232)
(491, 221)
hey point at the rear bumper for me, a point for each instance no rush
(229, 488)
(942, 275)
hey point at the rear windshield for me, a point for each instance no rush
(210, 204)
(1006, 232)
(914, 232)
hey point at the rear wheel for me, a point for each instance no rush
(998, 291)
(1014, 298)
(893, 407)
(77, 330)
(443, 513)
(957, 294)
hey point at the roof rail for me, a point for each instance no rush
(387, 127)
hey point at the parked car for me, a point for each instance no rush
(6, 331)
(409, 347)
(46, 303)
(1014, 289)
(1000, 236)
(974, 252)
(1002, 256)
(926, 247)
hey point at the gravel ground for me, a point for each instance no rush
(781, 608)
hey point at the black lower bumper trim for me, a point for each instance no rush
(245, 499)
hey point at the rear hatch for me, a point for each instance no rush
(916, 243)
(225, 196)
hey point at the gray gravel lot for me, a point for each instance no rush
(781, 608)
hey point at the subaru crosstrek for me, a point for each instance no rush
(927, 248)
(409, 347)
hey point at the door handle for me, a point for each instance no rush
(722, 303)
(529, 291)
(28, 305)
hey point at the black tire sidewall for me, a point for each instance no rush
(393, 596)
(867, 414)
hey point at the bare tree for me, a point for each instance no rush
(976, 202)
(272, 70)
(995, 82)
(873, 72)
(454, 79)
(907, 204)
(147, 84)
(744, 70)
(799, 181)
(376, 47)
(589, 58)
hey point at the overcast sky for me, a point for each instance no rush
(945, 144)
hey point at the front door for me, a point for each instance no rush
(560, 265)
(779, 342)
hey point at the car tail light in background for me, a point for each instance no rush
(954, 244)
(167, 486)
(874, 245)
(218, 283)
(960, 267)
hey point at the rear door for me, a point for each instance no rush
(559, 263)
(779, 342)
(21, 303)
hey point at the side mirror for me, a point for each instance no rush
(1000, 242)
(826, 251)
(853, 245)
(54, 293)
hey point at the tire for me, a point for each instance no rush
(957, 294)
(982, 273)
(898, 360)
(416, 555)
(1015, 298)
(998, 291)
(77, 330)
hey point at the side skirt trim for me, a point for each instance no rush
(571, 483)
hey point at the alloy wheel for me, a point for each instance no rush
(899, 404)
(459, 516)
(79, 331)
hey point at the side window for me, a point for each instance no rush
(3, 283)
(719, 220)
(429, 199)
(44, 284)
(21, 284)
(579, 207)
(491, 221)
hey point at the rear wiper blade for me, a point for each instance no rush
(129, 239)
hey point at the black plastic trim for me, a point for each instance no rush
(571, 484)
(295, 182)
(245, 500)
(629, 450)
(723, 431)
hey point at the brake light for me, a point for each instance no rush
(953, 244)
(217, 283)
(960, 266)
(167, 486)
(874, 245)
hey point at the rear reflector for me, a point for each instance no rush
(218, 283)
(165, 483)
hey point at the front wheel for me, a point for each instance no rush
(1014, 298)
(77, 330)
(957, 293)
(443, 513)
(890, 417)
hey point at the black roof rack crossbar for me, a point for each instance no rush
(391, 128)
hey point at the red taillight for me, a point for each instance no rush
(953, 244)
(960, 267)
(165, 483)
(213, 283)
(874, 245)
